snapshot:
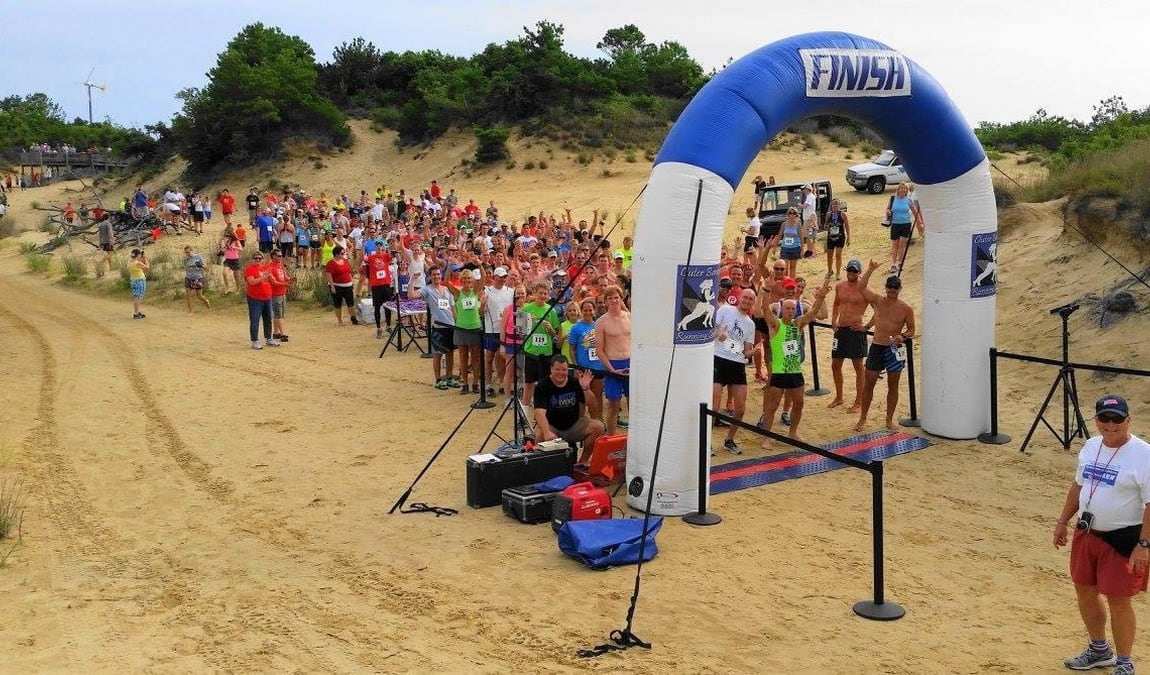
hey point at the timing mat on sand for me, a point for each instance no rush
(747, 473)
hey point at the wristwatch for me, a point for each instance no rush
(1144, 543)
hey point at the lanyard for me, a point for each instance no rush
(1095, 480)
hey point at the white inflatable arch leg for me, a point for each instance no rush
(680, 227)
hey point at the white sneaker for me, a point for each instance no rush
(273, 343)
(256, 345)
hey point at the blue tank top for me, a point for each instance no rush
(791, 241)
(900, 210)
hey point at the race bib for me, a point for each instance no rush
(790, 242)
(734, 347)
(538, 340)
(381, 274)
(834, 344)
(791, 348)
(592, 354)
(834, 230)
(444, 304)
(899, 352)
(469, 303)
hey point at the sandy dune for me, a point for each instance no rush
(195, 506)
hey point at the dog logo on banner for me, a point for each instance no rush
(983, 264)
(695, 304)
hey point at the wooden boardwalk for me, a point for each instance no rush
(72, 160)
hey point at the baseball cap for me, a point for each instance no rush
(789, 282)
(500, 271)
(893, 282)
(806, 187)
(619, 256)
(552, 254)
(725, 282)
(559, 273)
(854, 266)
(1112, 404)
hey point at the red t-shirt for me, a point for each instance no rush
(339, 269)
(279, 282)
(260, 291)
(378, 266)
(471, 209)
(227, 203)
(435, 191)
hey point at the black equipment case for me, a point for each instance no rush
(486, 481)
(528, 504)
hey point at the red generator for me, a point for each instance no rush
(581, 501)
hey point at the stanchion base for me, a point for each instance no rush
(821, 391)
(427, 355)
(887, 611)
(702, 519)
(482, 405)
(910, 422)
(994, 439)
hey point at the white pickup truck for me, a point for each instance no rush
(875, 175)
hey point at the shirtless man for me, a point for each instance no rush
(893, 323)
(850, 341)
(787, 367)
(613, 342)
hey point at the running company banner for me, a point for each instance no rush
(695, 304)
(983, 264)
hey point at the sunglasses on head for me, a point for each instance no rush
(1111, 418)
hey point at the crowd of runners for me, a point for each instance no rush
(504, 296)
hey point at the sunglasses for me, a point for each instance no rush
(1110, 418)
(257, 257)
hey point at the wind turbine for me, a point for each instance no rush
(89, 84)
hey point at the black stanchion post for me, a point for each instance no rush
(911, 421)
(814, 355)
(482, 403)
(429, 354)
(993, 438)
(878, 609)
(701, 517)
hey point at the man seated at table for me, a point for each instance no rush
(561, 408)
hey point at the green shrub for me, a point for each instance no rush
(529, 166)
(994, 155)
(388, 117)
(811, 143)
(9, 227)
(629, 157)
(492, 143)
(161, 258)
(509, 164)
(542, 164)
(75, 267)
(37, 262)
(844, 136)
(584, 158)
(11, 507)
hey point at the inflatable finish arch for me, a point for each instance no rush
(680, 227)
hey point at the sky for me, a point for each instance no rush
(999, 60)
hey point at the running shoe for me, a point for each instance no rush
(786, 419)
(257, 345)
(1092, 658)
(732, 447)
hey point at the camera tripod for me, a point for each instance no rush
(1065, 379)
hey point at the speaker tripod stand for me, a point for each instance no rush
(1069, 385)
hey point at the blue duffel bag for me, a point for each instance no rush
(600, 544)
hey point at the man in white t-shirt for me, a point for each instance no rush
(1110, 552)
(497, 298)
(810, 222)
(734, 342)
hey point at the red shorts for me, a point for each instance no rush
(1093, 562)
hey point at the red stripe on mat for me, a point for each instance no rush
(811, 457)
